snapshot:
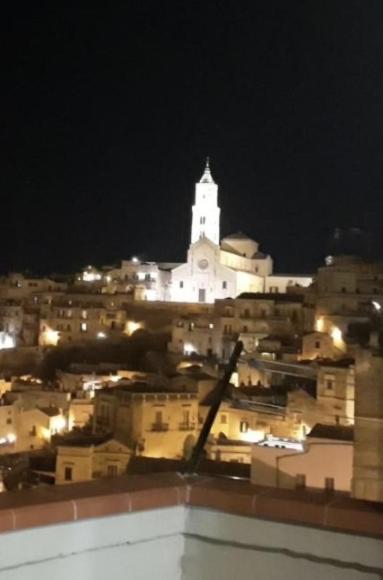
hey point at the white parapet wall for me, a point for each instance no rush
(136, 546)
(187, 543)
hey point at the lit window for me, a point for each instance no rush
(83, 327)
(84, 314)
(244, 426)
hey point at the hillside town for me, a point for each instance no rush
(112, 370)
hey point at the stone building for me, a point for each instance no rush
(84, 459)
(368, 457)
(153, 420)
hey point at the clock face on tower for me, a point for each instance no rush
(203, 264)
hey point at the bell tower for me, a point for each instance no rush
(205, 221)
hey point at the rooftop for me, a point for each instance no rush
(177, 527)
(143, 388)
(336, 432)
(50, 411)
(273, 296)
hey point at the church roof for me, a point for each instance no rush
(227, 248)
(238, 236)
(260, 256)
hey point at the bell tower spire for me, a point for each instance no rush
(206, 213)
(206, 176)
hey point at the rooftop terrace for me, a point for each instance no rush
(169, 526)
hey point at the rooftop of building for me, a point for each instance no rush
(273, 296)
(140, 465)
(238, 236)
(86, 439)
(342, 363)
(138, 387)
(50, 411)
(335, 432)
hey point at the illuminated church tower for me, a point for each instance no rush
(205, 222)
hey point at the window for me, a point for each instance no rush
(68, 473)
(112, 470)
(244, 329)
(9, 421)
(223, 419)
(329, 384)
(186, 417)
(202, 221)
(224, 285)
(181, 284)
(317, 344)
(83, 327)
(244, 426)
(33, 431)
(84, 314)
(300, 481)
(158, 419)
(329, 483)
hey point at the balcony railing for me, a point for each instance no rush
(187, 426)
(160, 426)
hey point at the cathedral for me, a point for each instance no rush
(214, 269)
(217, 269)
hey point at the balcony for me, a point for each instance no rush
(172, 527)
(187, 426)
(160, 427)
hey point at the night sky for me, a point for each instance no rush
(108, 110)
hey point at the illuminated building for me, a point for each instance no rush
(84, 459)
(154, 421)
(279, 466)
(212, 270)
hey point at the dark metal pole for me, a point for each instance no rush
(220, 391)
